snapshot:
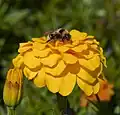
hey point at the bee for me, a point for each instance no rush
(59, 34)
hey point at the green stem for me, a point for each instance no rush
(63, 105)
(10, 111)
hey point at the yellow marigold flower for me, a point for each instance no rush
(60, 65)
(12, 88)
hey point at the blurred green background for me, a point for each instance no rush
(20, 20)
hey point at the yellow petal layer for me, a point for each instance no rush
(80, 48)
(51, 60)
(85, 87)
(53, 83)
(25, 47)
(29, 74)
(91, 37)
(39, 80)
(31, 61)
(39, 46)
(96, 88)
(56, 71)
(69, 58)
(63, 48)
(68, 84)
(90, 64)
(18, 61)
(72, 68)
(88, 54)
(42, 53)
(84, 75)
(103, 59)
(76, 35)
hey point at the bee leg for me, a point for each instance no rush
(48, 40)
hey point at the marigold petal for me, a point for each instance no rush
(28, 73)
(42, 53)
(84, 75)
(96, 88)
(51, 60)
(69, 58)
(85, 87)
(72, 68)
(39, 80)
(39, 46)
(91, 37)
(103, 59)
(95, 47)
(80, 48)
(95, 42)
(53, 83)
(89, 41)
(77, 35)
(68, 84)
(25, 47)
(63, 48)
(31, 61)
(92, 63)
(56, 71)
(18, 61)
(88, 54)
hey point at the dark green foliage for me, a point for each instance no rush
(20, 20)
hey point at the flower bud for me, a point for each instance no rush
(12, 88)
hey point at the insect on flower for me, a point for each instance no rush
(59, 34)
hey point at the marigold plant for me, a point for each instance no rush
(60, 65)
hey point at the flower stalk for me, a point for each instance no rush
(10, 111)
(63, 105)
